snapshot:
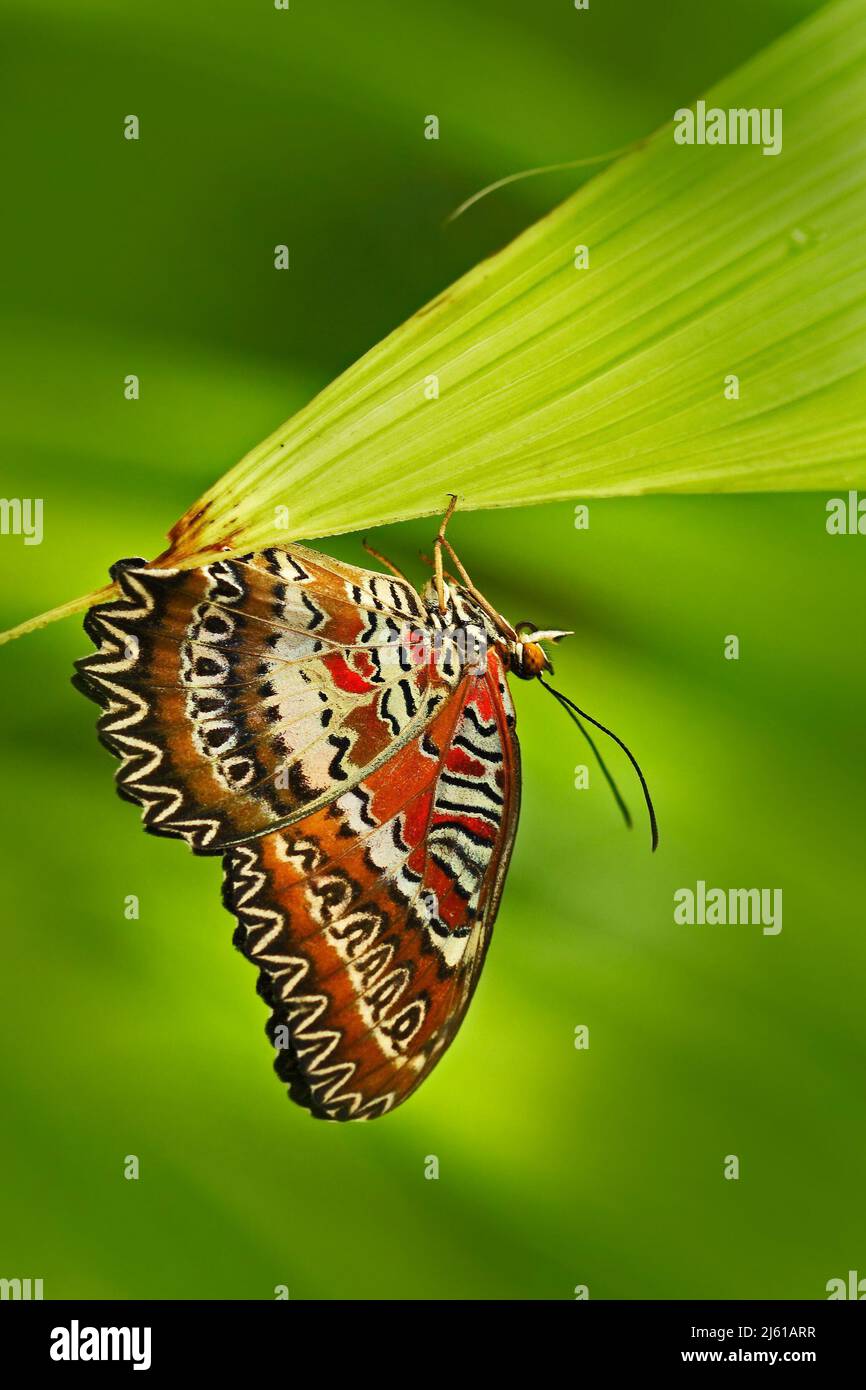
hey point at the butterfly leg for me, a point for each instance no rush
(502, 623)
(442, 543)
(426, 560)
(437, 552)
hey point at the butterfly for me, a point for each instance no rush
(348, 745)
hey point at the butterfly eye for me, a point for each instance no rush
(534, 660)
(528, 661)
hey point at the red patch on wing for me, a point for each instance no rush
(345, 677)
(461, 761)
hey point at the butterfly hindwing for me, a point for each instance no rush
(242, 695)
(369, 919)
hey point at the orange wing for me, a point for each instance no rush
(369, 919)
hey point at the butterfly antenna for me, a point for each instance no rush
(577, 714)
(383, 560)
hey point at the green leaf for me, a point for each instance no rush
(556, 382)
(704, 261)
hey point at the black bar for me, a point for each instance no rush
(224, 1337)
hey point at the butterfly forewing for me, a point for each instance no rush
(243, 694)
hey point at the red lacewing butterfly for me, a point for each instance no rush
(348, 746)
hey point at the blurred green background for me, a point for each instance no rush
(558, 1167)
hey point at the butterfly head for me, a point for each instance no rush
(526, 656)
(520, 647)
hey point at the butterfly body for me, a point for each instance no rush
(349, 746)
